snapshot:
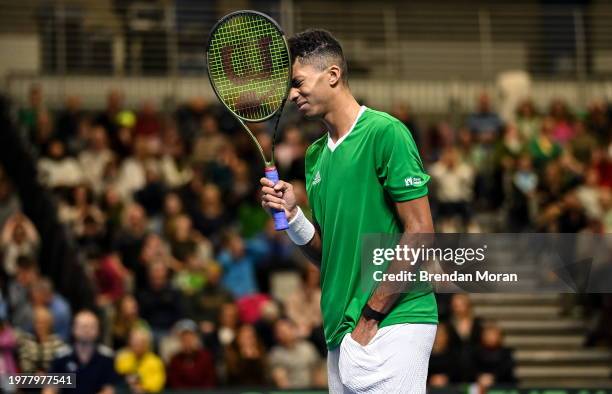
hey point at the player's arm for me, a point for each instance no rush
(418, 230)
(302, 232)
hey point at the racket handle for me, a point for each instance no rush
(280, 219)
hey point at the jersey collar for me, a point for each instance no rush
(331, 145)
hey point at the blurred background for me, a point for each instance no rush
(127, 189)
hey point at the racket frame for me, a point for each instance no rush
(280, 221)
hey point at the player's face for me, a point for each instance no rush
(309, 89)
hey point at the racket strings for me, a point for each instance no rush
(250, 82)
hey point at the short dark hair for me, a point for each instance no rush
(318, 48)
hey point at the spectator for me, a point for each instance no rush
(527, 120)
(76, 206)
(245, 359)
(133, 170)
(36, 351)
(221, 170)
(562, 127)
(190, 277)
(403, 112)
(96, 158)
(161, 305)
(113, 207)
(472, 153)
(193, 367)
(173, 208)
(93, 364)
(252, 219)
(148, 122)
(292, 151)
(9, 203)
(522, 196)
(205, 305)
(186, 242)
(303, 309)
(211, 216)
(43, 295)
(572, 217)
(242, 183)
(465, 328)
(589, 195)
(509, 147)
(218, 338)
(42, 133)
(453, 182)
(494, 362)
(606, 204)
(209, 140)
(110, 277)
(273, 251)
(130, 238)
(484, 123)
(28, 115)
(69, 122)
(270, 313)
(19, 292)
(8, 348)
(443, 367)
(543, 148)
(91, 233)
(602, 162)
(238, 261)
(599, 121)
(188, 117)
(109, 118)
(58, 169)
(142, 369)
(293, 360)
(583, 143)
(126, 320)
(464, 331)
(19, 238)
(175, 166)
(151, 195)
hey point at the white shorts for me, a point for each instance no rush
(395, 361)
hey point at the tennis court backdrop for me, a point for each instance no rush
(436, 55)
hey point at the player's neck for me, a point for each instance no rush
(341, 116)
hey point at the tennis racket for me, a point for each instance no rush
(249, 68)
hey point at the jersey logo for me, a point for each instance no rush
(413, 181)
(317, 179)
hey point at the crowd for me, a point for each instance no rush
(165, 210)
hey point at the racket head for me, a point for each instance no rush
(249, 65)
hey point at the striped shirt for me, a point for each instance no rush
(35, 356)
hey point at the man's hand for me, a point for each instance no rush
(279, 196)
(364, 331)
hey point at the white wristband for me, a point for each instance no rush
(300, 230)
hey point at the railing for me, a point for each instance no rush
(434, 47)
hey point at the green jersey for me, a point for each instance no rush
(352, 186)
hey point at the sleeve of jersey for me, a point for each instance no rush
(398, 164)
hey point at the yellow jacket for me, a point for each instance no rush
(149, 369)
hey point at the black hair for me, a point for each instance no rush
(318, 48)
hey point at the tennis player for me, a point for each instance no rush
(363, 176)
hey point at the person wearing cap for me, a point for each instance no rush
(192, 367)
